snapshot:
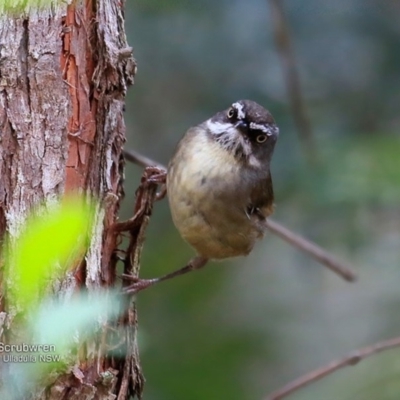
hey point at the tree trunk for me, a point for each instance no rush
(64, 73)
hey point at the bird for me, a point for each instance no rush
(219, 185)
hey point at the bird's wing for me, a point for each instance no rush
(262, 199)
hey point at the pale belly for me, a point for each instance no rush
(213, 236)
(208, 205)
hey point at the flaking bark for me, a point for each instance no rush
(64, 73)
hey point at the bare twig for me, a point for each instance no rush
(312, 249)
(137, 158)
(322, 256)
(132, 380)
(354, 358)
(291, 76)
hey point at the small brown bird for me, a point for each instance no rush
(219, 184)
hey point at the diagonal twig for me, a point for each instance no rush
(312, 249)
(352, 359)
(319, 254)
(139, 159)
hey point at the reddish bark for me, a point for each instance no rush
(64, 74)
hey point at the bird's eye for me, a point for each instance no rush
(231, 112)
(261, 138)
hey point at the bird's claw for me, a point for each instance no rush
(137, 286)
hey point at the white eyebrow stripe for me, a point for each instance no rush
(268, 130)
(218, 127)
(239, 108)
(259, 127)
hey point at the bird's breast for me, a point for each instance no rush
(208, 196)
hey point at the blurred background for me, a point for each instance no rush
(240, 329)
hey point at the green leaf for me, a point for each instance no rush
(55, 332)
(25, 6)
(65, 325)
(49, 244)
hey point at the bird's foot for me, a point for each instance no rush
(158, 176)
(137, 285)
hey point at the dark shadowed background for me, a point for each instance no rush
(242, 328)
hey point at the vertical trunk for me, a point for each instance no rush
(64, 72)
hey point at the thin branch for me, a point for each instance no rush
(322, 256)
(132, 379)
(291, 76)
(139, 159)
(312, 249)
(354, 358)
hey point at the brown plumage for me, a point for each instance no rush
(219, 182)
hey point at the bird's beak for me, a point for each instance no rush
(242, 126)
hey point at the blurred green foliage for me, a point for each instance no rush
(50, 242)
(25, 6)
(47, 246)
(242, 328)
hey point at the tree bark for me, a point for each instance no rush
(64, 73)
